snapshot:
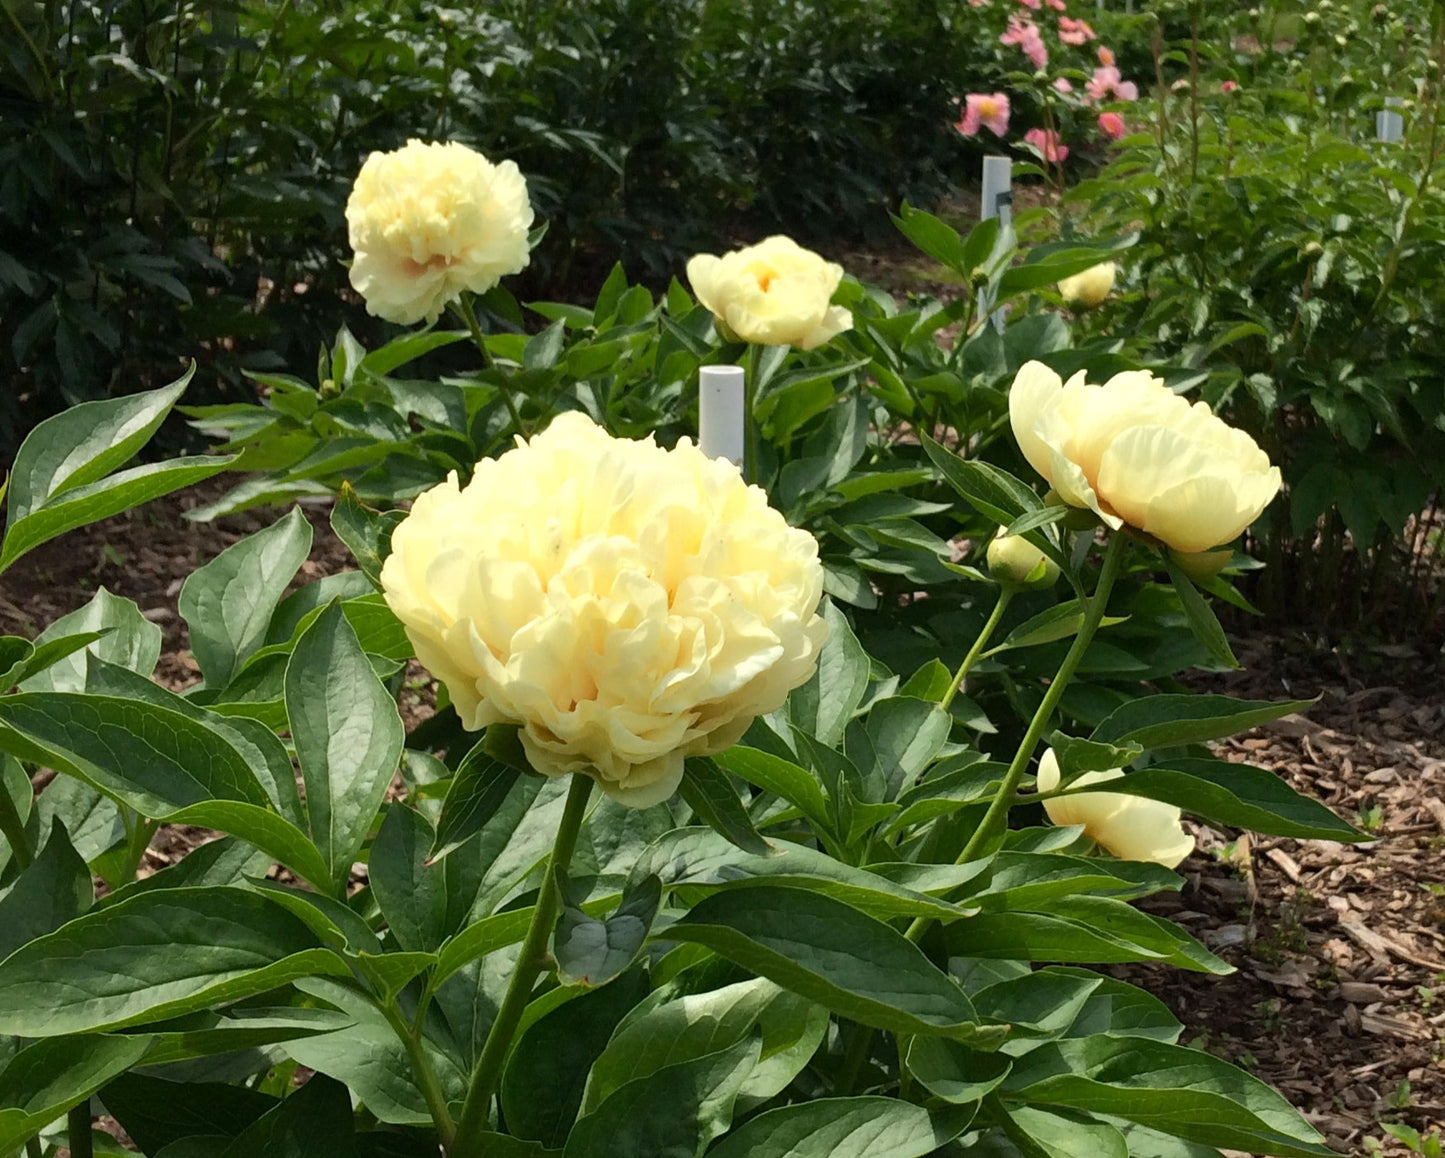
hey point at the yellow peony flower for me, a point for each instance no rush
(775, 293)
(428, 221)
(628, 606)
(1014, 561)
(1131, 827)
(1089, 288)
(1132, 451)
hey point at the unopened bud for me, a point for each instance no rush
(1015, 562)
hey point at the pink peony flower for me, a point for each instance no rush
(1057, 5)
(1108, 83)
(1046, 143)
(1229, 86)
(1075, 32)
(1063, 84)
(1106, 56)
(1111, 125)
(987, 110)
(1025, 34)
(1034, 4)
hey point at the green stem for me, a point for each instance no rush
(750, 428)
(1005, 594)
(469, 316)
(530, 962)
(138, 839)
(997, 814)
(422, 1070)
(33, 1148)
(13, 829)
(853, 1060)
(77, 1131)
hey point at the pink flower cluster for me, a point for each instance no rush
(991, 110)
(1025, 33)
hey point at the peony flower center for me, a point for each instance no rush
(988, 107)
(437, 261)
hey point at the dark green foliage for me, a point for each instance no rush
(173, 175)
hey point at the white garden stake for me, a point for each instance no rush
(721, 423)
(997, 201)
(1390, 125)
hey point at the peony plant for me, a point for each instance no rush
(813, 911)
(832, 926)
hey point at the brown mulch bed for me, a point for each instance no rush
(1339, 995)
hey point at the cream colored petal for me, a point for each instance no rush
(1205, 511)
(701, 275)
(834, 323)
(1145, 830)
(1035, 388)
(1072, 486)
(648, 786)
(1144, 462)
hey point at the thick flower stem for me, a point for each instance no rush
(13, 829)
(1005, 594)
(750, 429)
(469, 316)
(531, 960)
(997, 815)
(77, 1131)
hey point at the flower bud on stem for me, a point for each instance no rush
(531, 959)
(997, 814)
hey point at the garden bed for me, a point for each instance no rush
(1339, 998)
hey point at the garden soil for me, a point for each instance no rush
(1338, 999)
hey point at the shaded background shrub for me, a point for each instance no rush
(175, 174)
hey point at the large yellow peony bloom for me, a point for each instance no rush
(775, 293)
(1131, 827)
(428, 221)
(628, 606)
(1132, 451)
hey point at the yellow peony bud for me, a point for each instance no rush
(628, 606)
(775, 293)
(1132, 451)
(1015, 562)
(429, 221)
(1089, 288)
(1131, 827)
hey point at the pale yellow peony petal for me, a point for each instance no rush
(1146, 830)
(1130, 827)
(1035, 387)
(1070, 482)
(628, 606)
